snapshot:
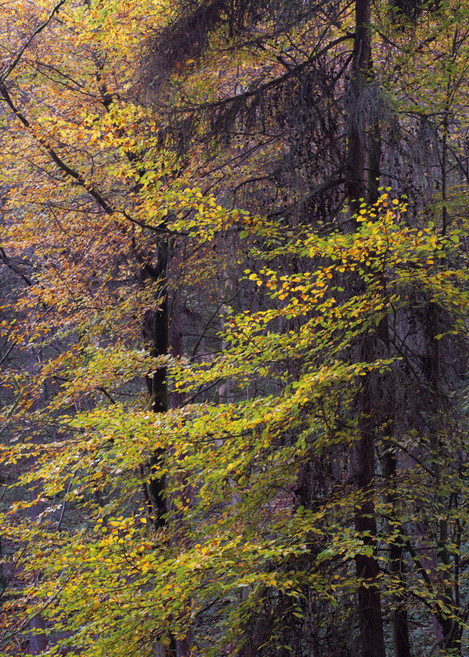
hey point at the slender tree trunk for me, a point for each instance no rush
(3, 579)
(37, 626)
(398, 616)
(159, 404)
(356, 157)
(399, 596)
(374, 162)
(159, 334)
(156, 335)
(369, 598)
(450, 628)
(37, 636)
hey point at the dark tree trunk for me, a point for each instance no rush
(158, 335)
(398, 616)
(37, 637)
(356, 157)
(37, 626)
(369, 598)
(374, 162)
(431, 364)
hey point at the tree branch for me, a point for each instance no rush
(272, 83)
(37, 31)
(69, 171)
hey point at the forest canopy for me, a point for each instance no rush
(233, 357)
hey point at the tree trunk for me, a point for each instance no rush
(159, 404)
(367, 569)
(37, 636)
(450, 628)
(156, 335)
(398, 616)
(369, 598)
(356, 157)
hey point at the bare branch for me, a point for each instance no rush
(37, 31)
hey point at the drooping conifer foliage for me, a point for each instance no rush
(233, 360)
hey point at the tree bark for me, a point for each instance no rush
(158, 334)
(398, 616)
(367, 569)
(450, 629)
(356, 157)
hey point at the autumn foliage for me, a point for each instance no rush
(233, 362)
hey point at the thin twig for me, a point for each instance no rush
(62, 512)
(41, 27)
